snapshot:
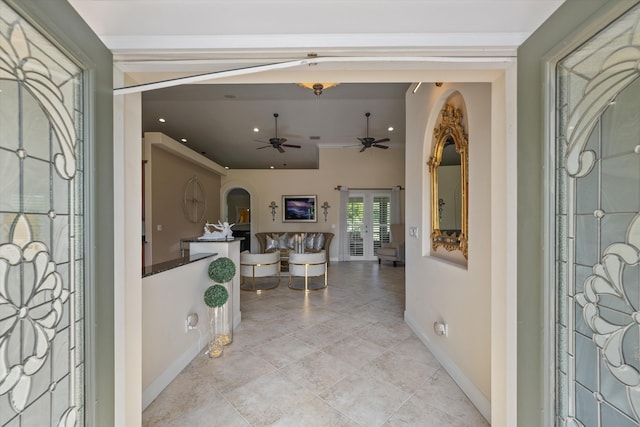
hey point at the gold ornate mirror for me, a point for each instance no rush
(449, 183)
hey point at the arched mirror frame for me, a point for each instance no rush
(450, 127)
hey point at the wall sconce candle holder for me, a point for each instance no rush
(325, 207)
(273, 207)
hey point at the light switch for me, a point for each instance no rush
(159, 227)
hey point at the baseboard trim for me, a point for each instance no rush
(473, 393)
(155, 388)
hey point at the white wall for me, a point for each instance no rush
(437, 289)
(127, 255)
(167, 347)
(337, 166)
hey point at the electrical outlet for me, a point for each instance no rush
(191, 322)
(441, 328)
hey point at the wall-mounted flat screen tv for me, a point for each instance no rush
(299, 209)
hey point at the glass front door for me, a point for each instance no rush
(597, 230)
(42, 229)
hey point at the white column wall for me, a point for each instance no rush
(439, 289)
(127, 256)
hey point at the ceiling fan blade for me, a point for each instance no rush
(362, 140)
(260, 148)
(292, 145)
(363, 148)
(380, 146)
(381, 140)
(280, 149)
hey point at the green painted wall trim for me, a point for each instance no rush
(555, 33)
(59, 20)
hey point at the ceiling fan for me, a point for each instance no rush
(368, 141)
(276, 142)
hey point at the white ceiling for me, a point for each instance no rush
(375, 48)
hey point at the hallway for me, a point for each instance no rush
(342, 356)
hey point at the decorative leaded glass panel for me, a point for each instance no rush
(41, 230)
(597, 232)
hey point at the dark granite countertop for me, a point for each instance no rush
(168, 265)
(196, 239)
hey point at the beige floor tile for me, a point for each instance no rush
(315, 413)
(346, 323)
(354, 351)
(414, 348)
(234, 369)
(268, 398)
(365, 399)
(416, 413)
(283, 351)
(384, 336)
(317, 371)
(342, 356)
(189, 405)
(404, 372)
(442, 393)
(319, 335)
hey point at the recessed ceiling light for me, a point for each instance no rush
(256, 130)
(184, 140)
(390, 129)
(226, 167)
(161, 120)
(272, 167)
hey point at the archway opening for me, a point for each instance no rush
(239, 213)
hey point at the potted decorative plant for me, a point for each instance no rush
(222, 271)
(215, 297)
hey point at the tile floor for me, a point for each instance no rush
(342, 356)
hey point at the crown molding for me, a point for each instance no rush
(477, 43)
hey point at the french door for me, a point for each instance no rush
(54, 147)
(368, 219)
(595, 268)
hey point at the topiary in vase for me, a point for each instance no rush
(222, 270)
(215, 297)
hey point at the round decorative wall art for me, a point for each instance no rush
(194, 203)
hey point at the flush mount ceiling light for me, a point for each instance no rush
(317, 88)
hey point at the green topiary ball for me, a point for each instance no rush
(222, 270)
(216, 296)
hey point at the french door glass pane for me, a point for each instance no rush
(355, 224)
(381, 221)
(597, 229)
(41, 230)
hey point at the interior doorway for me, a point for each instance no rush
(239, 213)
(368, 220)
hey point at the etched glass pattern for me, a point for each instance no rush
(597, 229)
(41, 230)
